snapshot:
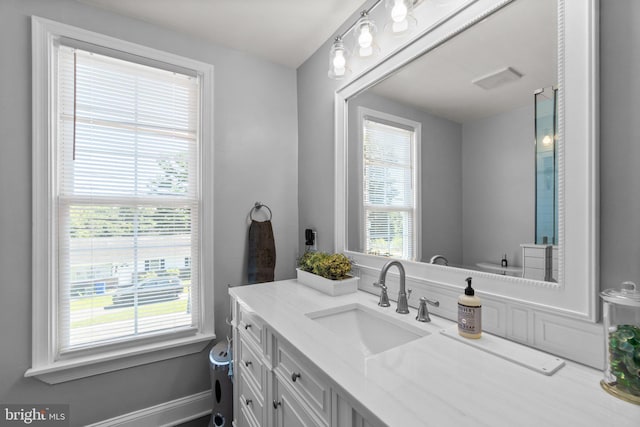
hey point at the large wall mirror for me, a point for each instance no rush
(472, 152)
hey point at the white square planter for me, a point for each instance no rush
(328, 286)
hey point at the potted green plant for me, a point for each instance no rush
(327, 272)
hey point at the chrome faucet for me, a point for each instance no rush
(403, 305)
(436, 258)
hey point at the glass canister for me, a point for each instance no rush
(621, 318)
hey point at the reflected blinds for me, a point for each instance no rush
(127, 200)
(389, 191)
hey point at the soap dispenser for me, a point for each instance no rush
(504, 262)
(469, 313)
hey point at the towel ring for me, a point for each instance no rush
(256, 207)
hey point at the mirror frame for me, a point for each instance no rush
(575, 294)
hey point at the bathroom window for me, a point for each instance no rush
(390, 202)
(123, 186)
(154, 265)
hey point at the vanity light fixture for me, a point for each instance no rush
(401, 23)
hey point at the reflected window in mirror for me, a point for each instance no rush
(390, 203)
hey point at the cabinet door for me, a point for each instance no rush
(289, 411)
(308, 382)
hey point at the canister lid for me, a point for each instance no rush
(627, 295)
(220, 354)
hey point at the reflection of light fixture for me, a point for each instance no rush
(364, 32)
(401, 15)
(338, 60)
(547, 140)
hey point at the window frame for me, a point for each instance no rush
(47, 365)
(364, 113)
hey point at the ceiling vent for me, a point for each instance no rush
(497, 78)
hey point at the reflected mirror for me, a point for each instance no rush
(452, 159)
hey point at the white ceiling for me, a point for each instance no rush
(522, 36)
(283, 31)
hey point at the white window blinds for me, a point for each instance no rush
(128, 200)
(389, 199)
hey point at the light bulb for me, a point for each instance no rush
(339, 63)
(366, 38)
(399, 11)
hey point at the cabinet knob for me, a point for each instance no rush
(248, 402)
(247, 326)
(295, 376)
(276, 403)
(247, 363)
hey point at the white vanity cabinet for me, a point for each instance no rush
(276, 386)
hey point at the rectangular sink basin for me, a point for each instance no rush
(369, 330)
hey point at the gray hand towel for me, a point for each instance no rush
(262, 252)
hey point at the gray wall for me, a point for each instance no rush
(498, 162)
(441, 157)
(256, 159)
(619, 141)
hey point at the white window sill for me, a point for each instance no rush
(81, 367)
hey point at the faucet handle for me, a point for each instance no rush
(384, 297)
(423, 311)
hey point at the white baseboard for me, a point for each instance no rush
(165, 414)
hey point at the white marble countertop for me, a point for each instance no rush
(435, 380)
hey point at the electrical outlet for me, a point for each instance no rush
(310, 239)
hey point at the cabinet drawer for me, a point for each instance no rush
(249, 399)
(251, 326)
(534, 273)
(531, 262)
(303, 378)
(252, 366)
(536, 251)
